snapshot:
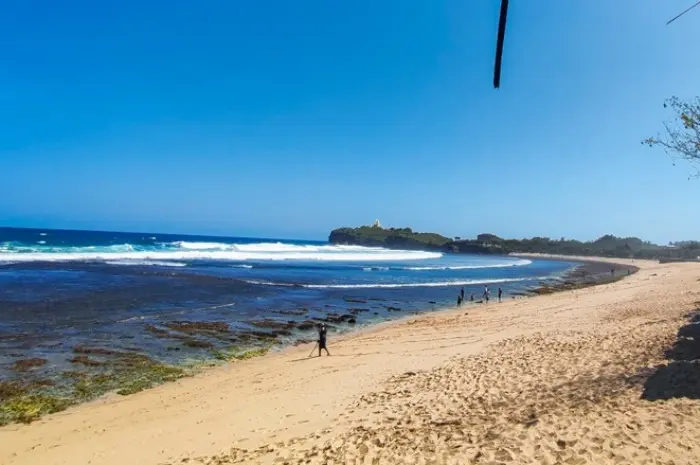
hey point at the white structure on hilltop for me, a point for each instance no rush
(377, 224)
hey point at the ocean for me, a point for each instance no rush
(179, 298)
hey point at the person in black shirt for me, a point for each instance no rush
(322, 330)
(500, 293)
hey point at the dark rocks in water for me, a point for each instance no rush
(277, 328)
(188, 331)
(296, 312)
(354, 300)
(347, 318)
(331, 318)
(9, 389)
(87, 361)
(197, 343)
(257, 335)
(171, 348)
(389, 308)
(306, 325)
(274, 324)
(158, 332)
(83, 349)
(336, 318)
(356, 311)
(432, 302)
(27, 364)
(375, 313)
(281, 332)
(198, 327)
(543, 290)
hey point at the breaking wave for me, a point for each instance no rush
(214, 251)
(145, 263)
(465, 282)
(522, 262)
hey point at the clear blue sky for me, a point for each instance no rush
(289, 118)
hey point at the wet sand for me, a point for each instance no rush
(588, 376)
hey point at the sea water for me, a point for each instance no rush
(63, 288)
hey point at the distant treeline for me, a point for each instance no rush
(605, 246)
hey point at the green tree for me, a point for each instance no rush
(682, 138)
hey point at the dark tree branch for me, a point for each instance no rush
(682, 139)
(499, 44)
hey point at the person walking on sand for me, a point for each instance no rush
(459, 300)
(500, 293)
(486, 294)
(322, 330)
(461, 293)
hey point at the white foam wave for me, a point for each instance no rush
(202, 245)
(41, 242)
(42, 234)
(470, 267)
(242, 266)
(115, 254)
(270, 283)
(275, 247)
(466, 282)
(145, 263)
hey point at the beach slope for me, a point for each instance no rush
(595, 375)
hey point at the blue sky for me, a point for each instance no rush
(288, 119)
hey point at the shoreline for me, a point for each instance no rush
(149, 373)
(287, 397)
(94, 369)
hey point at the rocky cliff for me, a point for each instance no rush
(397, 238)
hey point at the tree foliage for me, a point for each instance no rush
(682, 138)
(487, 243)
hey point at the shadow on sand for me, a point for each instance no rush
(681, 377)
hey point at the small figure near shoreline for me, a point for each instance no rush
(486, 294)
(322, 331)
(500, 293)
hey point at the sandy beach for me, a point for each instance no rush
(591, 376)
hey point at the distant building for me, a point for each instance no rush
(377, 224)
